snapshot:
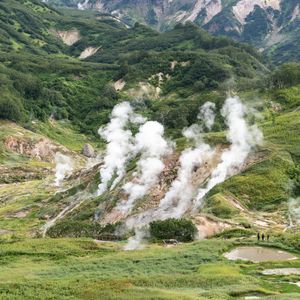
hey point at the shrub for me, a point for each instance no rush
(235, 233)
(286, 75)
(11, 108)
(182, 230)
(83, 229)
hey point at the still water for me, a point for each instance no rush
(259, 254)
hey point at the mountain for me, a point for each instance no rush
(270, 25)
(47, 55)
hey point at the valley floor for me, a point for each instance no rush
(89, 269)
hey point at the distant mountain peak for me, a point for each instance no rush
(263, 23)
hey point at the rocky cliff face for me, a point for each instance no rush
(267, 24)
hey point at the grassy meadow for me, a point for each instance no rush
(87, 269)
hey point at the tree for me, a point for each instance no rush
(11, 108)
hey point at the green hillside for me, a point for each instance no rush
(44, 77)
(62, 72)
(272, 26)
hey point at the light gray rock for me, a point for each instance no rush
(88, 150)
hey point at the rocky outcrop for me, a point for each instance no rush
(119, 85)
(88, 150)
(89, 51)
(244, 7)
(69, 37)
(41, 149)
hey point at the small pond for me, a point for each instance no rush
(259, 254)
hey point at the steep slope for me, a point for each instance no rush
(71, 72)
(270, 25)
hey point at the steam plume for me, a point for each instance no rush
(178, 198)
(152, 146)
(136, 242)
(120, 144)
(243, 139)
(294, 212)
(207, 114)
(64, 166)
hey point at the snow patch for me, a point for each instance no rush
(199, 5)
(296, 13)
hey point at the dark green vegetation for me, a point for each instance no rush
(77, 229)
(42, 77)
(181, 230)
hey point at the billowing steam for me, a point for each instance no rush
(136, 242)
(178, 199)
(120, 144)
(242, 138)
(207, 114)
(150, 142)
(294, 212)
(64, 167)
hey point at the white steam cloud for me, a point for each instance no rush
(243, 139)
(178, 199)
(149, 141)
(294, 212)
(136, 242)
(64, 167)
(207, 114)
(120, 146)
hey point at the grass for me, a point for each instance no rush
(263, 186)
(220, 207)
(64, 133)
(83, 269)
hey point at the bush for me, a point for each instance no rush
(235, 233)
(182, 230)
(11, 109)
(83, 229)
(286, 75)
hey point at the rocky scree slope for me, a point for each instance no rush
(271, 25)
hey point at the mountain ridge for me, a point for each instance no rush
(271, 25)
